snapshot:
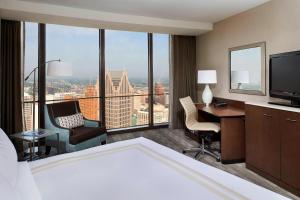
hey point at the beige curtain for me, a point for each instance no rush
(182, 75)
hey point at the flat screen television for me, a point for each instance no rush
(285, 77)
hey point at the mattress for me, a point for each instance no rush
(137, 169)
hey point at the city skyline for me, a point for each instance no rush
(121, 112)
(65, 83)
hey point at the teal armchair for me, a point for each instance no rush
(74, 139)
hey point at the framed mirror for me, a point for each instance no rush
(247, 69)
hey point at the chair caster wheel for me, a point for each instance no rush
(218, 160)
(183, 151)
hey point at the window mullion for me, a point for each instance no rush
(102, 75)
(150, 78)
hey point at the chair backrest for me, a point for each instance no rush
(63, 109)
(190, 110)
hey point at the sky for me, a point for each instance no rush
(80, 47)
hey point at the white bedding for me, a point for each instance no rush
(137, 169)
(26, 186)
(16, 180)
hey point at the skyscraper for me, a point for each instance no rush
(143, 117)
(118, 101)
(160, 115)
(89, 105)
(28, 112)
(159, 93)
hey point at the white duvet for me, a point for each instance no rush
(137, 169)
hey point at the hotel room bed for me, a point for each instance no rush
(137, 169)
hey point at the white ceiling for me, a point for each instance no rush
(210, 11)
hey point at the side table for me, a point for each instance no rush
(31, 137)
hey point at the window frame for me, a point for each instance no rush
(42, 82)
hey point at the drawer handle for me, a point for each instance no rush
(267, 115)
(291, 120)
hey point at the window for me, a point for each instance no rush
(126, 79)
(30, 62)
(160, 78)
(80, 47)
(127, 75)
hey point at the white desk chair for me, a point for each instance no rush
(205, 130)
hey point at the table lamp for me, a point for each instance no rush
(240, 77)
(207, 77)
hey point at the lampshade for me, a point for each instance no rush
(240, 76)
(207, 76)
(59, 68)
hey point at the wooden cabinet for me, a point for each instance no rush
(263, 139)
(273, 145)
(290, 149)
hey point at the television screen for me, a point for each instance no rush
(285, 74)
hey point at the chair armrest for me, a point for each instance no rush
(91, 123)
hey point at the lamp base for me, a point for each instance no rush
(239, 86)
(207, 95)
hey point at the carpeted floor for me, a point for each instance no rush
(176, 139)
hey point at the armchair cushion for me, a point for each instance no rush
(81, 134)
(71, 121)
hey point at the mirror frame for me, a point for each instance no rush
(261, 92)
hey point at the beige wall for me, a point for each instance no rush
(277, 23)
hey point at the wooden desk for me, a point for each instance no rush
(232, 122)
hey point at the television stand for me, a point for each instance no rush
(292, 103)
